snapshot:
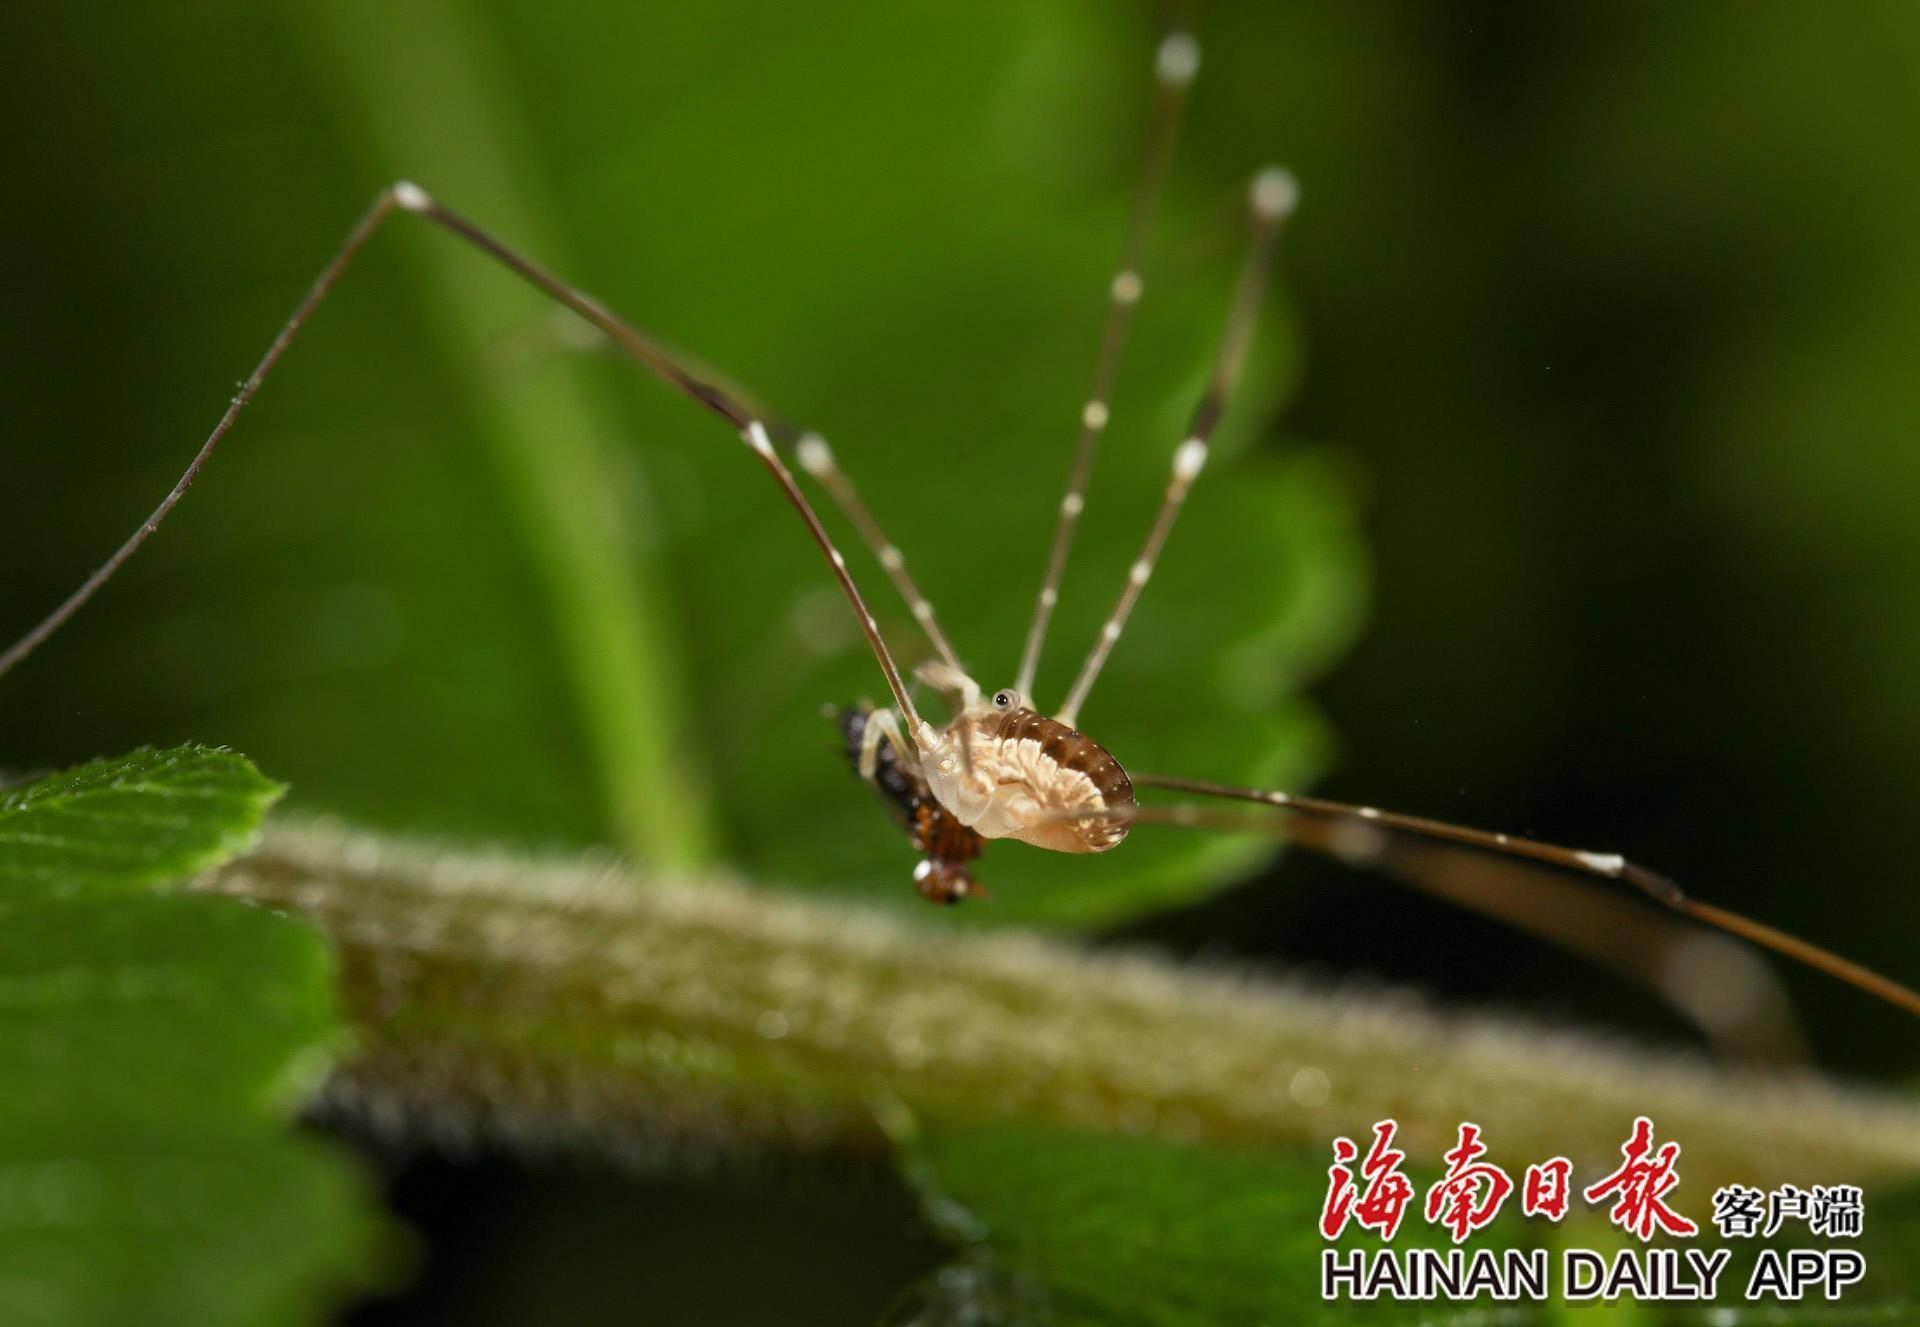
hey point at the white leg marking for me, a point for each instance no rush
(1275, 193)
(1189, 459)
(411, 196)
(815, 456)
(1178, 59)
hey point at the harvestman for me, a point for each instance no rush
(1000, 768)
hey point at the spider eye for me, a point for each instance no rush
(1003, 698)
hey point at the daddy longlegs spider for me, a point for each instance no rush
(1000, 768)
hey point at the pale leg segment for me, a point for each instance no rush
(884, 726)
(1175, 64)
(1271, 200)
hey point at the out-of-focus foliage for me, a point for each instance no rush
(152, 1049)
(895, 225)
(1618, 302)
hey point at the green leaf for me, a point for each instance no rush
(139, 989)
(153, 1047)
(235, 1226)
(112, 826)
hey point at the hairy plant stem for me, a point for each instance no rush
(554, 1002)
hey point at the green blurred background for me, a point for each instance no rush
(1575, 489)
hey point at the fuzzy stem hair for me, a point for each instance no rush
(555, 1003)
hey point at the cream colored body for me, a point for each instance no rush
(990, 769)
(1013, 791)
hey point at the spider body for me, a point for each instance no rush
(998, 770)
(1008, 772)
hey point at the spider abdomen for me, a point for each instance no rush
(1024, 776)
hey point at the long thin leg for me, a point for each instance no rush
(817, 459)
(356, 240)
(811, 452)
(1272, 200)
(1359, 834)
(1175, 63)
(411, 198)
(1717, 983)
